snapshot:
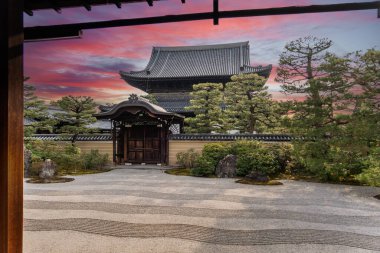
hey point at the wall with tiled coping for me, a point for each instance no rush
(177, 143)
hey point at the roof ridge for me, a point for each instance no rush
(202, 47)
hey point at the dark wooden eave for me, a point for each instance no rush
(35, 33)
(57, 5)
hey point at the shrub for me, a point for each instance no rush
(252, 156)
(371, 175)
(45, 149)
(204, 166)
(342, 164)
(94, 160)
(214, 152)
(36, 165)
(284, 155)
(187, 159)
(295, 166)
(312, 155)
(259, 160)
(241, 148)
(70, 159)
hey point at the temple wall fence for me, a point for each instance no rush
(104, 147)
(177, 146)
(177, 142)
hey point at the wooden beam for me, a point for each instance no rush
(118, 4)
(64, 33)
(87, 5)
(216, 12)
(55, 6)
(46, 4)
(29, 12)
(58, 10)
(45, 31)
(11, 126)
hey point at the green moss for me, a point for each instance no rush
(78, 172)
(179, 172)
(314, 179)
(253, 182)
(37, 180)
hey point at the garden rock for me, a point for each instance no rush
(27, 162)
(227, 167)
(48, 169)
(257, 176)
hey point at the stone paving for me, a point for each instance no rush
(145, 210)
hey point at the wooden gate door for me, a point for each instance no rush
(143, 144)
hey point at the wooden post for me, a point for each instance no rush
(216, 12)
(11, 126)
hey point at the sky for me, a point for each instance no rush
(90, 65)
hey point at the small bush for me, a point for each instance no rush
(94, 160)
(187, 159)
(342, 164)
(67, 157)
(284, 155)
(251, 155)
(214, 152)
(204, 167)
(260, 160)
(241, 148)
(70, 160)
(45, 149)
(371, 175)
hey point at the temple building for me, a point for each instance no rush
(172, 71)
(140, 129)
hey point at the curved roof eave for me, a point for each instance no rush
(154, 109)
(264, 71)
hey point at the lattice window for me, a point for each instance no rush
(175, 128)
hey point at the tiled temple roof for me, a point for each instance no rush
(196, 61)
(173, 102)
(136, 101)
(60, 137)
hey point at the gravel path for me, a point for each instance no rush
(146, 210)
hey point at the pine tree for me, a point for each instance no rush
(299, 72)
(77, 115)
(339, 115)
(206, 100)
(35, 112)
(249, 107)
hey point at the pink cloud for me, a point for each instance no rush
(89, 66)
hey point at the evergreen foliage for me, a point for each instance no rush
(249, 106)
(206, 101)
(339, 117)
(151, 98)
(35, 111)
(77, 115)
